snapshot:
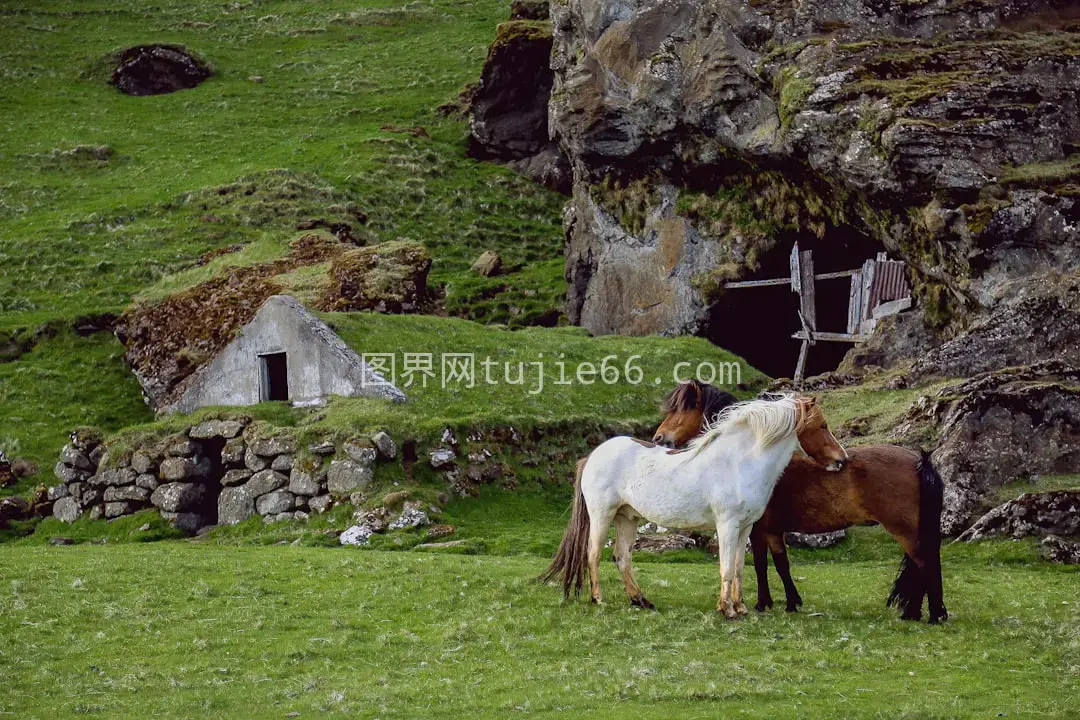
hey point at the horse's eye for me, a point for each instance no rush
(824, 426)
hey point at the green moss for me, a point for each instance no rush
(1042, 174)
(515, 31)
(793, 91)
(914, 88)
(628, 201)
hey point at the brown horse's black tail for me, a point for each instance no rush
(912, 582)
(570, 563)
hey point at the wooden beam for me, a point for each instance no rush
(830, 337)
(786, 281)
(807, 302)
(757, 283)
(807, 311)
(837, 274)
(891, 308)
(854, 303)
(800, 365)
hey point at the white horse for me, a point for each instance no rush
(722, 481)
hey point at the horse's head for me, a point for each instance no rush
(816, 439)
(685, 415)
(688, 408)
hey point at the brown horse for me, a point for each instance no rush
(885, 484)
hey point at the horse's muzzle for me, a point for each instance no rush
(836, 465)
(663, 440)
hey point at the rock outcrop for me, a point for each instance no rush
(508, 112)
(705, 136)
(1031, 514)
(996, 428)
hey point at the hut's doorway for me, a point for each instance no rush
(274, 376)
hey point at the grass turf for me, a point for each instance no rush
(179, 630)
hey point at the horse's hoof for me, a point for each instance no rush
(741, 609)
(763, 606)
(791, 608)
(596, 601)
(642, 602)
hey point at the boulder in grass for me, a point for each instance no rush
(157, 70)
(488, 264)
(1060, 550)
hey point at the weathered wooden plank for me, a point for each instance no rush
(807, 303)
(785, 281)
(854, 303)
(830, 337)
(800, 365)
(757, 283)
(866, 321)
(837, 274)
(793, 269)
(891, 308)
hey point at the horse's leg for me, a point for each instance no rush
(911, 583)
(625, 534)
(727, 536)
(760, 547)
(740, 563)
(783, 569)
(599, 525)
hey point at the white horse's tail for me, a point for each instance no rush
(570, 563)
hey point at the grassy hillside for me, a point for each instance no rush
(340, 82)
(322, 110)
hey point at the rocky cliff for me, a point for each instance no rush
(706, 137)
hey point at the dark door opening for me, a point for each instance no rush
(274, 373)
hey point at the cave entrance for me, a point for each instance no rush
(836, 294)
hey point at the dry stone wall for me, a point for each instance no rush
(217, 472)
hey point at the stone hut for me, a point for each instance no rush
(284, 353)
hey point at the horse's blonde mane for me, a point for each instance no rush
(769, 420)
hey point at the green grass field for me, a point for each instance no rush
(175, 629)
